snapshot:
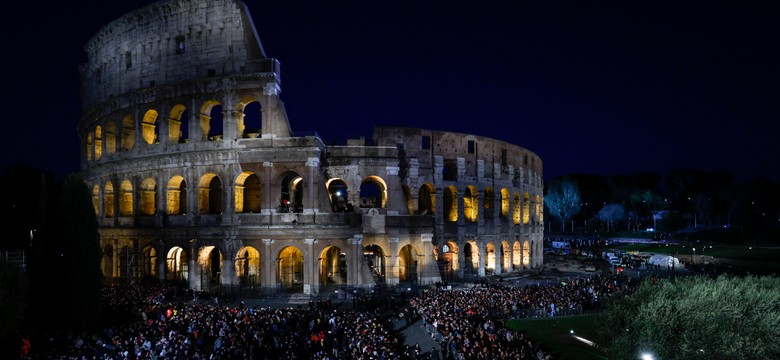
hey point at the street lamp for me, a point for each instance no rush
(694, 256)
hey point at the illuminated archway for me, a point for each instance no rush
(210, 261)
(517, 256)
(426, 201)
(490, 259)
(178, 124)
(108, 200)
(450, 204)
(177, 264)
(250, 118)
(487, 203)
(177, 195)
(407, 264)
(375, 257)
(248, 266)
(96, 199)
(126, 199)
(506, 257)
(110, 137)
(333, 266)
(90, 146)
(526, 209)
(373, 192)
(289, 269)
(150, 262)
(470, 258)
(148, 205)
(292, 193)
(98, 142)
(210, 194)
(471, 204)
(504, 202)
(339, 197)
(149, 127)
(539, 212)
(128, 133)
(526, 254)
(247, 193)
(516, 209)
(211, 120)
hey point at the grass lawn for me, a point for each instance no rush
(555, 334)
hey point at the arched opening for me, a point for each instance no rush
(251, 119)
(177, 195)
(490, 259)
(129, 263)
(149, 127)
(96, 199)
(289, 269)
(506, 257)
(148, 206)
(471, 204)
(539, 212)
(526, 255)
(333, 266)
(177, 264)
(373, 193)
(407, 264)
(90, 147)
(449, 171)
(450, 204)
(108, 200)
(339, 198)
(247, 193)
(292, 193)
(110, 137)
(516, 209)
(426, 201)
(178, 124)
(210, 261)
(504, 202)
(488, 203)
(211, 120)
(448, 260)
(517, 256)
(526, 209)
(126, 199)
(210, 194)
(98, 142)
(375, 258)
(470, 259)
(128, 133)
(150, 262)
(248, 266)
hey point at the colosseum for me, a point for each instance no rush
(197, 177)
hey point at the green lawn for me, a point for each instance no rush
(555, 334)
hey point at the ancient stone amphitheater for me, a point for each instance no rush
(197, 177)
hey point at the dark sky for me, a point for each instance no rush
(591, 87)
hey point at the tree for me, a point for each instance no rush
(563, 200)
(81, 252)
(610, 214)
(697, 318)
(13, 298)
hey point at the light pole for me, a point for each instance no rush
(693, 260)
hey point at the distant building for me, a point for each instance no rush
(197, 177)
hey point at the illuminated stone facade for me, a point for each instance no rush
(197, 177)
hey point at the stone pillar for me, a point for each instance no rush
(391, 270)
(482, 252)
(269, 199)
(268, 261)
(429, 268)
(162, 260)
(195, 269)
(497, 246)
(310, 197)
(396, 202)
(310, 279)
(354, 265)
(228, 276)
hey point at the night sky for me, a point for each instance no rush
(591, 87)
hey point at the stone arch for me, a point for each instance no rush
(96, 199)
(471, 204)
(210, 194)
(177, 195)
(128, 133)
(177, 264)
(210, 261)
(178, 124)
(289, 269)
(373, 192)
(250, 118)
(517, 255)
(292, 192)
(526, 254)
(148, 204)
(338, 194)
(211, 120)
(538, 206)
(526, 209)
(110, 137)
(488, 203)
(333, 266)
(449, 172)
(448, 260)
(408, 264)
(126, 198)
(506, 257)
(247, 193)
(426, 201)
(98, 142)
(470, 258)
(377, 261)
(450, 204)
(108, 200)
(490, 259)
(408, 197)
(149, 128)
(149, 267)
(516, 209)
(504, 202)
(248, 269)
(90, 146)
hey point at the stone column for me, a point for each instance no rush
(429, 267)
(310, 197)
(268, 261)
(355, 264)
(391, 269)
(194, 270)
(228, 276)
(482, 252)
(270, 202)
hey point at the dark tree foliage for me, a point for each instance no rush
(80, 254)
(13, 299)
(697, 318)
